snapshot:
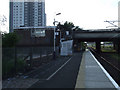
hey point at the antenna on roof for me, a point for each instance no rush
(112, 23)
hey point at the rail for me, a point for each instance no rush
(105, 60)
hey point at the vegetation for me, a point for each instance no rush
(8, 62)
(67, 26)
(8, 66)
(83, 45)
(9, 39)
(107, 48)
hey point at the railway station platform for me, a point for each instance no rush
(93, 75)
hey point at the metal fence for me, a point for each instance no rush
(22, 59)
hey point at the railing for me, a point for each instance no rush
(22, 59)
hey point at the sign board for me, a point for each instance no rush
(38, 33)
(66, 47)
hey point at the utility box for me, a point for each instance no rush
(66, 48)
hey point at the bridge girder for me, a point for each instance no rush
(97, 36)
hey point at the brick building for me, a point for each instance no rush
(27, 38)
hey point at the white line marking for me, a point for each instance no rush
(107, 74)
(58, 69)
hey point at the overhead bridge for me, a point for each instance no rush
(97, 36)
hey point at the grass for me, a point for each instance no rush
(107, 49)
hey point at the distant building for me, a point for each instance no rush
(27, 14)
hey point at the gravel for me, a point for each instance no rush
(18, 82)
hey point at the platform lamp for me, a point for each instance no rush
(54, 53)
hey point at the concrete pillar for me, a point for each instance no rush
(75, 45)
(118, 50)
(98, 46)
(114, 46)
(79, 46)
(117, 46)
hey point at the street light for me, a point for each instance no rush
(54, 53)
(59, 40)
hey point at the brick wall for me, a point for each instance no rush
(27, 40)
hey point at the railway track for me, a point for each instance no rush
(113, 70)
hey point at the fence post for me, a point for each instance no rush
(40, 54)
(15, 51)
(47, 52)
(31, 56)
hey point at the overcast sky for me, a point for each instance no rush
(87, 14)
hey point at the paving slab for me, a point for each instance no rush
(91, 75)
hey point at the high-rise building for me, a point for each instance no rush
(26, 13)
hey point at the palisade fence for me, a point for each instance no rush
(22, 59)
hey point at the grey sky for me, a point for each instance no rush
(88, 14)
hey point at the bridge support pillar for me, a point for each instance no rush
(117, 46)
(114, 46)
(98, 46)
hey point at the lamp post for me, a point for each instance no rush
(60, 39)
(54, 53)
